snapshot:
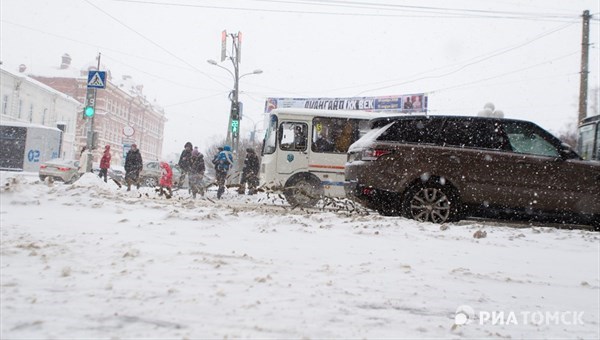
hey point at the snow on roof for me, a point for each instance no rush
(125, 82)
(41, 85)
(28, 125)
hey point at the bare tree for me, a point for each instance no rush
(568, 135)
(212, 151)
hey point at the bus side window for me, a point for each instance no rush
(344, 139)
(293, 136)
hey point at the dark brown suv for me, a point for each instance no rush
(442, 168)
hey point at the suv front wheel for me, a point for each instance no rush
(431, 202)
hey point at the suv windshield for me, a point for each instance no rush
(527, 139)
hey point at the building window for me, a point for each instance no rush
(20, 108)
(5, 104)
(44, 116)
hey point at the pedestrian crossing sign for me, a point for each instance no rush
(96, 79)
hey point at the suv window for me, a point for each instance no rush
(474, 133)
(529, 139)
(423, 131)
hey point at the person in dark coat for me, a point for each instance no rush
(185, 162)
(250, 172)
(223, 161)
(197, 173)
(105, 163)
(133, 166)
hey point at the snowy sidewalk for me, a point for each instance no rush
(91, 261)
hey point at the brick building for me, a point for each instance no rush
(123, 114)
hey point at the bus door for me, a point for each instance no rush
(588, 145)
(292, 155)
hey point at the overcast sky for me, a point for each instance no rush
(523, 56)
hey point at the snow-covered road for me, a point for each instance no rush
(91, 261)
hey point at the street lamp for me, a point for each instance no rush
(253, 132)
(234, 118)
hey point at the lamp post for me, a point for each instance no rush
(253, 132)
(233, 126)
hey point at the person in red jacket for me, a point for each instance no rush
(166, 180)
(105, 163)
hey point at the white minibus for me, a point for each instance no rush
(304, 151)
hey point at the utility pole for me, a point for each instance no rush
(89, 112)
(235, 112)
(235, 117)
(585, 46)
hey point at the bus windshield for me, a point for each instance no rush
(270, 144)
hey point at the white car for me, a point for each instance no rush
(65, 170)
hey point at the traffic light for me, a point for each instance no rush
(90, 103)
(235, 125)
(89, 111)
(235, 112)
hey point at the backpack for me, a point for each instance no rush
(224, 161)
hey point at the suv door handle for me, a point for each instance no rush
(453, 158)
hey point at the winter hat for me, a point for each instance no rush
(188, 144)
(195, 152)
(250, 150)
(227, 148)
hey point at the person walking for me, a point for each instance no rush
(197, 173)
(216, 157)
(222, 162)
(133, 166)
(250, 173)
(83, 159)
(105, 163)
(185, 162)
(166, 180)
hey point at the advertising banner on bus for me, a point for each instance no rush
(408, 103)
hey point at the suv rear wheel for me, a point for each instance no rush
(431, 202)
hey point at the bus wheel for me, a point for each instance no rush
(303, 191)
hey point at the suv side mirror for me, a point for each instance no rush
(567, 153)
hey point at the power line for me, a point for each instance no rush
(505, 74)
(429, 8)
(194, 100)
(104, 48)
(443, 13)
(93, 45)
(154, 75)
(477, 60)
(155, 44)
